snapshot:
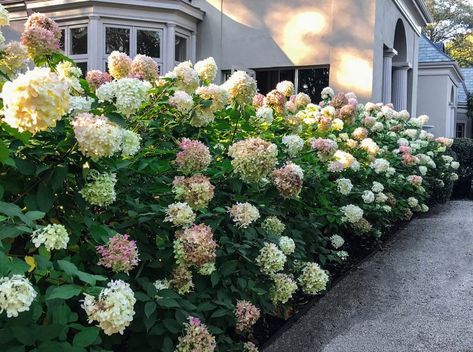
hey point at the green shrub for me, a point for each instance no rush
(463, 149)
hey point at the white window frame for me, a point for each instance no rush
(187, 37)
(79, 58)
(133, 27)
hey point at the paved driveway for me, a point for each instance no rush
(414, 296)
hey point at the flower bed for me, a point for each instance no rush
(169, 213)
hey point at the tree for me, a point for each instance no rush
(451, 18)
(461, 49)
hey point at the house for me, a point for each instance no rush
(366, 46)
(440, 85)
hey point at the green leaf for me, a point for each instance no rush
(35, 215)
(24, 334)
(219, 313)
(64, 292)
(172, 325)
(86, 337)
(68, 267)
(168, 303)
(228, 267)
(44, 198)
(150, 307)
(4, 151)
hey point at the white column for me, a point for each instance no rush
(170, 47)
(387, 74)
(95, 47)
(399, 86)
(193, 47)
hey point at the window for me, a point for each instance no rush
(133, 41)
(74, 43)
(310, 80)
(180, 49)
(460, 131)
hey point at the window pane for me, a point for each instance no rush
(312, 81)
(181, 49)
(78, 41)
(83, 67)
(268, 79)
(62, 41)
(117, 39)
(148, 43)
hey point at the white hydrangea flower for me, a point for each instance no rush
(80, 104)
(264, 114)
(270, 259)
(113, 310)
(53, 236)
(287, 245)
(380, 165)
(381, 198)
(343, 255)
(455, 165)
(413, 202)
(344, 186)
(16, 295)
(377, 187)
(127, 94)
(241, 87)
(4, 16)
(368, 197)
(206, 69)
(130, 143)
(161, 285)
(186, 77)
(286, 88)
(423, 170)
(313, 279)
(273, 226)
(70, 73)
(244, 214)
(453, 176)
(283, 289)
(182, 101)
(180, 214)
(337, 241)
(327, 93)
(294, 144)
(97, 136)
(352, 213)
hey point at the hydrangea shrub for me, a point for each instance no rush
(148, 212)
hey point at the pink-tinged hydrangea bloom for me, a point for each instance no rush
(194, 156)
(404, 149)
(360, 133)
(119, 64)
(196, 339)
(241, 87)
(258, 100)
(275, 100)
(246, 314)
(253, 158)
(97, 78)
(409, 159)
(445, 141)
(414, 180)
(119, 254)
(145, 68)
(181, 280)
(288, 180)
(244, 214)
(197, 191)
(198, 245)
(41, 35)
(324, 147)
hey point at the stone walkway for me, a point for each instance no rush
(414, 296)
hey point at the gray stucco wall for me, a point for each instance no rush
(433, 98)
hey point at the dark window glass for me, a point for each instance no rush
(148, 43)
(117, 39)
(268, 79)
(78, 41)
(460, 130)
(83, 67)
(181, 49)
(62, 41)
(312, 81)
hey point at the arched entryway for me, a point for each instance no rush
(400, 68)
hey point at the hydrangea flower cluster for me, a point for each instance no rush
(100, 189)
(97, 78)
(4, 16)
(352, 213)
(283, 288)
(270, 259)
(130, 143)
(186, 78)
(286, 88)
(127, 94)
(193, 157)
(181, 280)
(182, 101)
(14, 59)
(244, 214)
(287, 245)
(241, 87)
(16, 295)
(344, 186)
(273, 226)
(313, 279)
(119, 254)
(195, 246)
(53, 236)
(288, 180)
(337, 241)
(250, 347)
(119, 65)
(246, 314)
(294, 144)
(197, 338)
(41, 35)
(145, 68)
(216, 94)
(180, 214)
(197, 191)
(113, 310)
(79, 104)
(70, 74)
(325, 147)
(35, 100)
(253, 159)
(207, 70)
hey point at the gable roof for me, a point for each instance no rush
(468, 84)
(431, 52)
